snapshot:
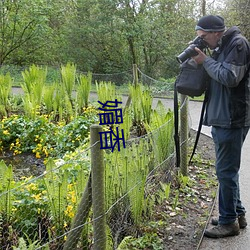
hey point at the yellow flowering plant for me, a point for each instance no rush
(30, 205)
(43, 137)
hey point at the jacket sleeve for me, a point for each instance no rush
(234, 66)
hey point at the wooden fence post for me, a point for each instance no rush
(135, 82)
(135, 74)
(98, 194)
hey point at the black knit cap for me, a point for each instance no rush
(210, 23)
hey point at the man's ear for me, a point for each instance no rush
(219, 34)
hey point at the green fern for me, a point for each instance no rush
(5, 90)
(33, 86)
(83, 90)
(106, 92)
(68, 74)
(6, 184)
(161, 126)
(141, 103)
(49, 97)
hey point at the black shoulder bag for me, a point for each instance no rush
(191, 81)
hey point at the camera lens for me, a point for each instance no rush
(190, 51)
(187, 53)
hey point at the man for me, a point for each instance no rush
(228, 112)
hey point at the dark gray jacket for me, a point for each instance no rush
(228, 103)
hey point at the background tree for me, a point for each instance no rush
(21, 26)
(109, 36)
(104, 36)
(94, 38)
(237, 12)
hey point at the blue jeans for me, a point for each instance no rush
(228, 145)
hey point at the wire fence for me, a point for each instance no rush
(57, 209)
(159, 87)
(46, 210)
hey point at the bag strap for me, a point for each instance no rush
(176, 126)
(199, 127)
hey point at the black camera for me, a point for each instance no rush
(190, 51)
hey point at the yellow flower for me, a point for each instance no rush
(45, 151)
(69, 211)
(14, 209)
(31, 187)
(38, 156)
(37, 196)
(73, 199)
(17, 152)
(6, 132)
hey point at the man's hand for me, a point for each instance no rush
(200, 58)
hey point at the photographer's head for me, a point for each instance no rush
(211, 28)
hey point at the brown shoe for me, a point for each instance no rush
(241, 219)
(221, 231)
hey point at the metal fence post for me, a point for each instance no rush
(98, 195)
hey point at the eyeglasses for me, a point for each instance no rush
(203, 36)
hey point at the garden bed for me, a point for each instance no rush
(25, 164)
(178, 222)
(185, 226)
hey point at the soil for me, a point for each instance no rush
(188, 221)
(25, 164)
(179, 220)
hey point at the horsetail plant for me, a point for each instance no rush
(56, 184)
(126, 172)
(137, 176)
